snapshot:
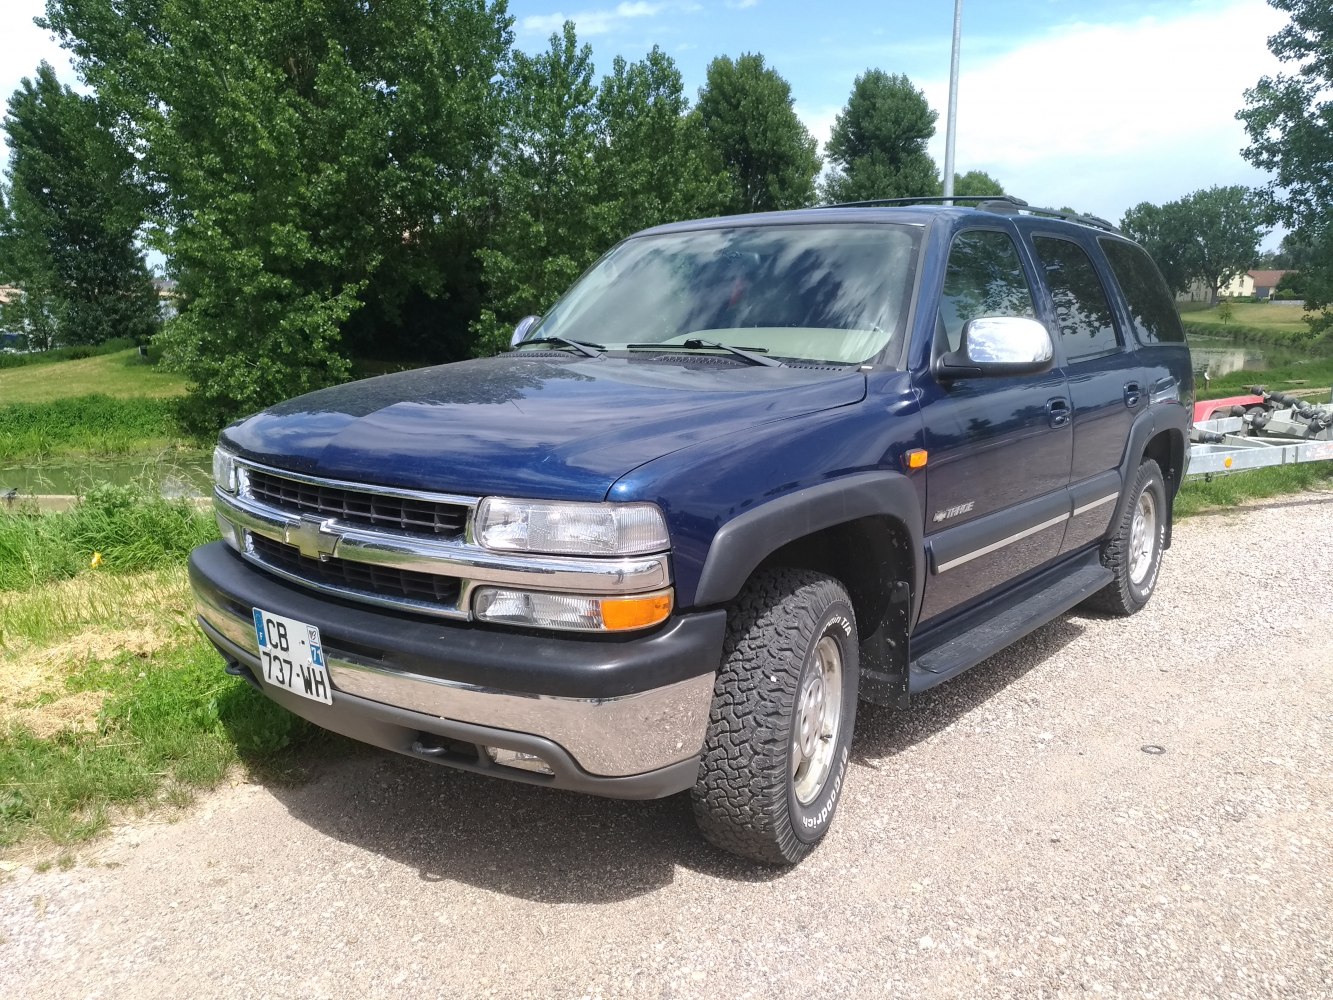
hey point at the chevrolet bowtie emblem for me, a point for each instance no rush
(314, 536)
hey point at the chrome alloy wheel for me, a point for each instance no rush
(1142, 538)
(815, 723)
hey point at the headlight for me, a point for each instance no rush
(224, 470)
(574, 529)
(571, 611)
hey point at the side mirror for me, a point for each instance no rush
(997, 346)
(523, 328)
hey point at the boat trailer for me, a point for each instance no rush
(1258, 430)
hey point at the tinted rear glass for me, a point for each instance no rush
(1081, 306)
(1150, 306)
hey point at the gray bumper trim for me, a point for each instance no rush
(610, 737)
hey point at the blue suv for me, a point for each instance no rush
(747, 472)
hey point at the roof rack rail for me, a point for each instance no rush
(1001, 204)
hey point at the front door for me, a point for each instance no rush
(999, 448)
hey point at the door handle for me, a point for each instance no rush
(1057, 411)
(1133, 393)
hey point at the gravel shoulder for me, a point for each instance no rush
(1008, 837)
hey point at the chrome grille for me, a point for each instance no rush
(444, 520)
(365, 578)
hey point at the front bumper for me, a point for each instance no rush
(617, 716)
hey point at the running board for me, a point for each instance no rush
(1003, 626)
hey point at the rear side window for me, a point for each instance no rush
(1150, 307)
(1082, 309)
(984, 278)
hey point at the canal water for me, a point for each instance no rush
(1219, 356)
(175, 475)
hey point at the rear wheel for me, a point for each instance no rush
(1134, 551)
(780, 730)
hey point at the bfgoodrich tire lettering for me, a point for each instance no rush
(1134, 551)
(775, 757)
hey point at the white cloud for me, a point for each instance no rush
(601, 22)
(1102, 117)
(23, 45)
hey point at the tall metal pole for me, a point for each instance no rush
(951, 125)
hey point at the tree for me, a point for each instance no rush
(1289, 120)
(1210, 236)
(1163, 231)
(975, 183)
(1226, 228)
(747, 122)
(72, 217)
(311, 160)
(878, 145)
(544, 231)
(650, 163)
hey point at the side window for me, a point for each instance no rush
(984, 278)
(1150, 307)
(1082, 309)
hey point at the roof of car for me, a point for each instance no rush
(902, 210)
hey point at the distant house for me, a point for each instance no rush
(1251, 284)
(1265, 282)
(8, 293)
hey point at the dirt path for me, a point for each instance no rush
(1009, 837)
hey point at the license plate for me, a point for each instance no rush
(292, 657)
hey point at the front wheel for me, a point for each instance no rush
(780, 729)
(1134, 552)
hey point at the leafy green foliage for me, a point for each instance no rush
(1289, 120)
(311, 159)
(878, 145)
(71, 215)
(747, 123)
(543, 235)
(1210, 236)
(975, 183)
(651, 165)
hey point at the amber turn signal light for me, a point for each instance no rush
(916, 458)
(622, 613)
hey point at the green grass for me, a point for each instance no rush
(168, 725)
(97, 425)
(121, 375)
(129, 528)
(110, 699)
(1255, 315)
(1236, 488)
(117, 346)
(1258, 323)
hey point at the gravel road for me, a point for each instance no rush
(1008, 837)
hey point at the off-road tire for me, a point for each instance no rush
(745, 800)
(1123, 596)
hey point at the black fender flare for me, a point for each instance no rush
(1145, 427)
(748, 539)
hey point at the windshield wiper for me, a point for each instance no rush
(586, 349)
(695, 344)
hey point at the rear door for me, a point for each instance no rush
(1106, 387)
(999, 448)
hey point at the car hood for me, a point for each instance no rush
(547, 426)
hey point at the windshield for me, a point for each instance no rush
(824, 293)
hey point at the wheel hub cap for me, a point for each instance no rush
(1142, 538)
(816, 720)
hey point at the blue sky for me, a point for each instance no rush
(1098, 104)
